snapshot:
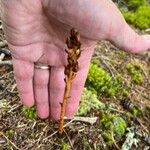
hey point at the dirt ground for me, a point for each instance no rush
(19, 132)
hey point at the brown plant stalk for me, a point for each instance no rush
(73, 52)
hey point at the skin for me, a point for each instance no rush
(35, 31)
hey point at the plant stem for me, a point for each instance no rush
(63, 105)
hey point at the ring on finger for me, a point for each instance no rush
(39, 65)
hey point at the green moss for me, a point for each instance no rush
(138, 13)
(113, 124)
(29, 113)
(113, 62)
(102, 82)
(107, 121)
(125, 93)
(128, 116)
(140, 18)
(134, 4)
(119, 127)
(89, 101)
(135, 72)
(121, 53)
(64, 145)
(9, 132)
(107, 136)
(95, 61)
(136, 111)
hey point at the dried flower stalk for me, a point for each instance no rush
(74, 52)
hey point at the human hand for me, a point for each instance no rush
(35, 32)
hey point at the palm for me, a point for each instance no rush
(35, 32)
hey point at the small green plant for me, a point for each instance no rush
(113, 62)
(89, 101)
(128, 116)
(135, 72)
(101, 81)
(112, 124)
(136, 111)
(64, 145)
(9, 132)
(121, 54)
(29, 113)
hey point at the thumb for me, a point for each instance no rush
(128, 40)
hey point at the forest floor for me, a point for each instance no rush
(19, 132)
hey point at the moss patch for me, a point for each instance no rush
(10, 132)
(89, 101)
(112, 124)
(100, 81)
(29, 113)
(135, 72)
(64, 145)
(137, 13)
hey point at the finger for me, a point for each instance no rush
(56, 89)
(41, 80)
(23, 71)
(128, 40)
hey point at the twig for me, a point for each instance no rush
(1, 25)
(74, 45)
(13, 87)
(83, 119)
(110, 70)
(90, 120)
(6, 74)
(146, 97)
(7, 62)
(14, 108)
(2, 55)
(147, 30)
(41, 134)
(141, 93)
(119, 111)
(144, 128)
(9, 141)
(112, 136)
(33, 125)
(57, 130)
(71, 145)
(145, 75)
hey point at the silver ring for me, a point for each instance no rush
(39, 65)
